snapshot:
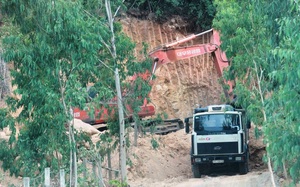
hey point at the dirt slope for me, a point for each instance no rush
(180, 85)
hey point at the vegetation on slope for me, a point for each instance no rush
(263, 44)
(198, 14)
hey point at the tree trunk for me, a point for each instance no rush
(136, 130)
(109, 163)
(122, 130)
(284, 169)
(265, 116)
(119, 95)
(4, 79)
(100, 178)
(73, 156)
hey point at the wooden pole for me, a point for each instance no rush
(109, 163)
(26, 182)
(62, 178)
(47, 177)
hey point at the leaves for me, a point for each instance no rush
(58, 49)
(263, 45)
(196, 14)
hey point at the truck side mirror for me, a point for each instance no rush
(187, 125)
(248, 123)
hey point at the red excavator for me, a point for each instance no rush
(173, 52)
(161, 55)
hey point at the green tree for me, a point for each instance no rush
(59, 48)
(244, 40)
(198, 15)
(262, 43)
(282, 131)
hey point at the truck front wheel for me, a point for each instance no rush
(244, 167)
(196, 171)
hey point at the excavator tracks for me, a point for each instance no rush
(153, 126)
(163, 127)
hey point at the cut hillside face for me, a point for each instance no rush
(179, 86)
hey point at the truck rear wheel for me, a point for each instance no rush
(196, 171)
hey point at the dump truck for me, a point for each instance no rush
(220, 136)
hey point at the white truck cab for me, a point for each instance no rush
(219, 136)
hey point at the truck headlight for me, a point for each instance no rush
(238, 158)
(197, 159)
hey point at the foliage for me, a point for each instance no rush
(244, 40)
(60, 47)
(283, 128)
(263, 45)
(116, 183)
(48, 56)
(92, 156)
(154, 143)
(198, 14)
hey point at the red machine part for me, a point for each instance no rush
(162, 55)
(102, 115)
(170, 53)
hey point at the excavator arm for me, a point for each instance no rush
(173, 52)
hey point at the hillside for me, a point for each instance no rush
(181, 85)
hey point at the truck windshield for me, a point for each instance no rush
(217, 122)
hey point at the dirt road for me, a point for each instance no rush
(169, 165)
(252, 179)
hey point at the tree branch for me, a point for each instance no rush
(113, 18)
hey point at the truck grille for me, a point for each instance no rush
(217, 148)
